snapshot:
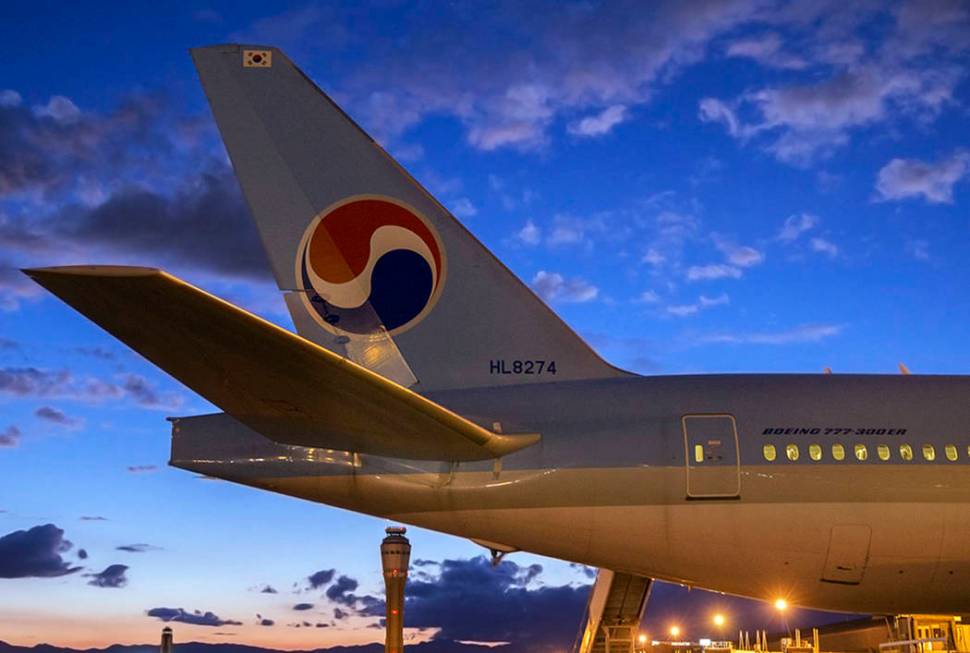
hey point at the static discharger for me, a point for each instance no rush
(257, 58)
(395, 558)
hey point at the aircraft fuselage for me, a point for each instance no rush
(667, 477)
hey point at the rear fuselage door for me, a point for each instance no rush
(713, 464)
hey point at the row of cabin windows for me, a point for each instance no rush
(861, 452)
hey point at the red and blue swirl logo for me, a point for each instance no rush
(368, 262)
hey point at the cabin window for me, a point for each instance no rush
(951, 452)
(929, 452)
(698, 453)
(791, 451)
(861, 452)
(838, 452)
(905, 452)
(769, 451)
(883, 452)
(814, 452)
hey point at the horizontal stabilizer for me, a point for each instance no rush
(271, 380)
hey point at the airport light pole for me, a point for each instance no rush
(395, 558)
(167, 644)
(719, 622)
(781, 605)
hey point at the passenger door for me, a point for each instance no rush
(713, 464)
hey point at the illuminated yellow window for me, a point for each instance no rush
(929, 452)
(951, 452)
(883, 452)
(838, 452)
(861, 452)
(791, 451)
(769, 451)
(698, 453)
(905, 452)
(814, 452)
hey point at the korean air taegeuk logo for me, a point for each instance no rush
(368, 261)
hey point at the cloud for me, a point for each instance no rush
(92, 518)
(82, 554)
(303, 606)
(268, 589)
(266, 622)
(596, 60)
(589, 572)
(767, 50)
(716, 111)
(463, 208)
(802, 334)
(742, 256)
(601, 123)
(713, 271)
(175, 229)
(703, 302)
(63, 384)
(141, 469)
(918, 249)
(648, 297)
(55, 416)
(144, 394)
(35, 553)
(654, 257)
(292, 26)
(568, 230)
(553, 287)
(911, 178)
(137, 548)
(927, 24)
(530, 234)
(10, 98)
(61, 109)
(55, 150)
(812, 120)
(341, 591)
(15, 288)
(510, 605)
(796, 225)
(97, 352)
(10, 436)
(320, 578)
(824, 247)
(29, 381)
(178, 229)
(113, 576)
(853, 78)
(195, 618)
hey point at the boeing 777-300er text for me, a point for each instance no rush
(428, 385)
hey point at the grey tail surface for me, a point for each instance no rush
(370, 264)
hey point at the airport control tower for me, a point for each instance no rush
(167, 646)
(395, 558)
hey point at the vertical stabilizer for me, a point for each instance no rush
(371, 265)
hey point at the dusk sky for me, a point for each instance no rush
(724, 186)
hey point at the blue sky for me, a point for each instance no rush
(694, 186)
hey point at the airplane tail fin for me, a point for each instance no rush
(372, 267)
